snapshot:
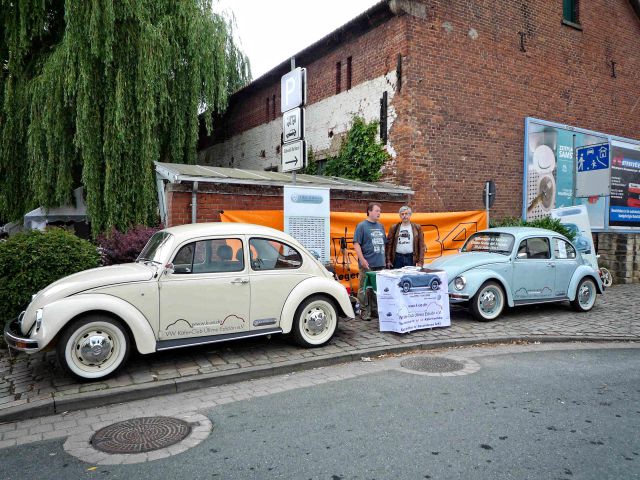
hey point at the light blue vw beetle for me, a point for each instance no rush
(518, 266)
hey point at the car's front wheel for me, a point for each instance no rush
(487, 304)
(585, 295)
(93, 347)
(406, 286)
(435, 284)
(315, 321)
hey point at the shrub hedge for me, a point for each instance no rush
(545, 222)
(32, 260)
(117, 247)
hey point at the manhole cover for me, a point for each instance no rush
(432, 364)
(140, 435)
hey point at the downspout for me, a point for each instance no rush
(162, 200)
(194, 202)
(635, 4)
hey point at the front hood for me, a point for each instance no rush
(87, 280)
(458, 263)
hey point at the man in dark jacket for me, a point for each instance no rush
(405, 242)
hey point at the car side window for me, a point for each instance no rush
(269, 254)
(563, 249)
(534, 248)
(210, 256)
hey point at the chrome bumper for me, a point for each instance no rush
(16, 341)
(458, 297)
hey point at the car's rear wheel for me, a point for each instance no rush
(489, 301)
(93, 347)
(315, 321)
(435, 284)
(585, 295)
(406, 286)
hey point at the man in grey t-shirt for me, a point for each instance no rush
(369, 243)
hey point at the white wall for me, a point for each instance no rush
(333, 114)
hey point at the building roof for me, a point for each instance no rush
(178, 173)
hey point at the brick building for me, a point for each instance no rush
(460, 78)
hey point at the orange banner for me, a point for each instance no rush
(444, 233)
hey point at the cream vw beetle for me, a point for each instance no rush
(191, 285)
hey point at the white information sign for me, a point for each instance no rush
(306, 218)
(293, 125)
(410, 299)
(293, 89)
(293, 156)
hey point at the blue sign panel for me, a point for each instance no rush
(593, 157)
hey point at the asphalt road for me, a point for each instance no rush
(548, 414)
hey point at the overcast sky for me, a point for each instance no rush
(271, 31)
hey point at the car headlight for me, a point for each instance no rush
(459, 283)
(38, 319)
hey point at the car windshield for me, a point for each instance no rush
(155, 249)
(492, 242)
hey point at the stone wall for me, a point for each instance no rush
(620, 253)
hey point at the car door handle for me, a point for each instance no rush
(552, 265)
(240, 281)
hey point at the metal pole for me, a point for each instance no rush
(293, 67)
(486, 200)
(574, 171)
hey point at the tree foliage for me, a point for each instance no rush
(361, 156)
(92, 92)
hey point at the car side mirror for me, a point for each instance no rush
(521, 255)
(168, 268)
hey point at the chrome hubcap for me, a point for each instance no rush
(585, 294)
(94, 348)
(316, 321)
(488, 301)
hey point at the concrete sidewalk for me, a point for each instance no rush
(34, 385)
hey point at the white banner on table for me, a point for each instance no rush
(410, 299)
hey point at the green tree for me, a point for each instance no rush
(92, 92)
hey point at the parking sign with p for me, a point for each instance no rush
(293, 89)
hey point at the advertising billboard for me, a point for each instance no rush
(624, 207)
(551, 171)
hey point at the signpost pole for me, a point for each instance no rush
(486, 200)
(575, 171)
(293, 67)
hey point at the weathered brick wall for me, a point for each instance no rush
(212, 199)
(620, 253)
(467, 88)
(470, 88)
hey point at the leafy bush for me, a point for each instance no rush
(361, 156)
(118, 247)
(30, 261)
(544, 222)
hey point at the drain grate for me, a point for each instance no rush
(140, 435)
(432, 364)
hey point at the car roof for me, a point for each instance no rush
(193, 230)
(523, 231)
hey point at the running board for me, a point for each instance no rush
(190, 342)
(517, 303)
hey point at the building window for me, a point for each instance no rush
(570, 11)
(349, 73)
(273, 106)
(338, 76)
(267, 111)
